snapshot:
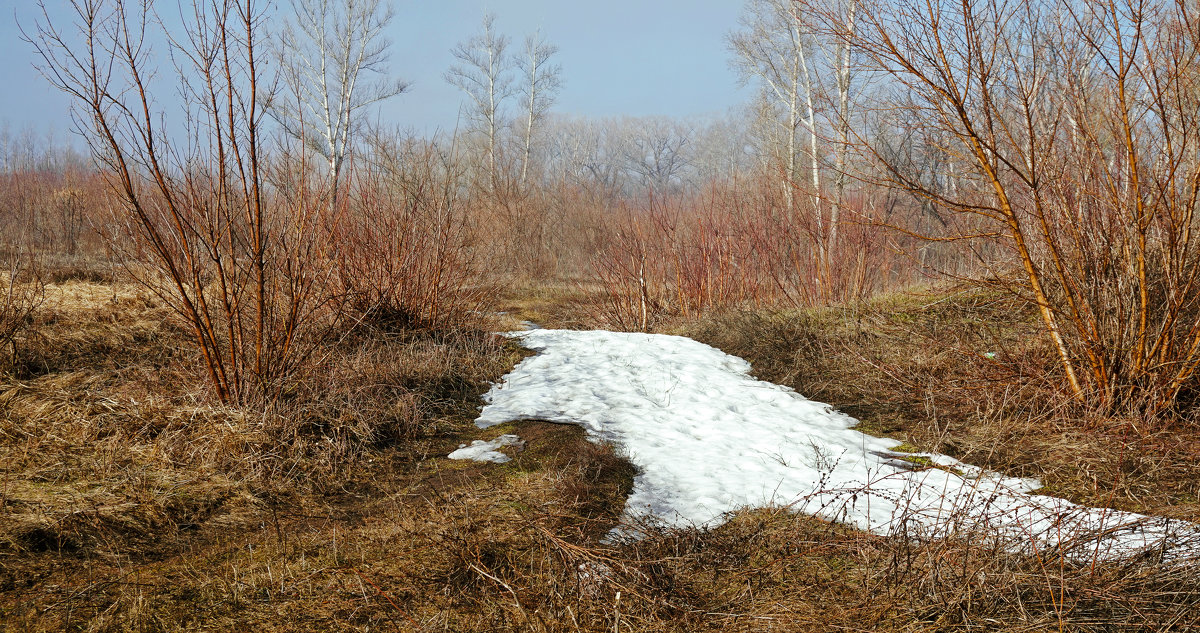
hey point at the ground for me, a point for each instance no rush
(132, 502)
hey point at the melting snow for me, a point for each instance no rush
(708, 439)
(482, 451)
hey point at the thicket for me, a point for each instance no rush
(1071, 128)
(1047, 147)
(233, 223)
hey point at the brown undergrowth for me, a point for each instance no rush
(115, 455)
(562, 305)
(131, 503)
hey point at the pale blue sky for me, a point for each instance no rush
(634, 57)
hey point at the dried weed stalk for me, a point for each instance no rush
(20, 295)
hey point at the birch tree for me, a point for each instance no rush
(541, 81)
(334, 59)
(807, 76)
(841, 121)
(772, 49)
(484, 74)
(776, 50)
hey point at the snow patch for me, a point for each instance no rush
(481, 451)
(708, 439)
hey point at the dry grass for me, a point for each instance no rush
(566, 305)
(20, 296)
(130, 502)
(115, 455)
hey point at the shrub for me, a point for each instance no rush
(403, 249)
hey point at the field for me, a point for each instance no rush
(131, 502)
(246, 317)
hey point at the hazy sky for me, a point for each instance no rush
(635, 57)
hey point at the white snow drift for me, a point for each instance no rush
(709, 439)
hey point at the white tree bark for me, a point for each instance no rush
(484, 74)
(842, 123)
(325, 54)
(771, 49)
(542, 80)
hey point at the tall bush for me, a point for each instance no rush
(1070, 132)
(404, 248)
(229, 234)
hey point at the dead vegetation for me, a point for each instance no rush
(18, 299)
(114, 449)
(133, 502)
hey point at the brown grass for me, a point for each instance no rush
(114, 449)
(563, 304)
(20, 296)
(130, 502)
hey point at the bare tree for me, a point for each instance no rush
(541, 81)
(586, 153)
(333, 57)
(627, 156)
(657, 150)
(1075, 127)
(772, 48)
(842, 58)
(780, 50)
(809, 80)
(721, 149)
(240, 260)
(484, 74)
